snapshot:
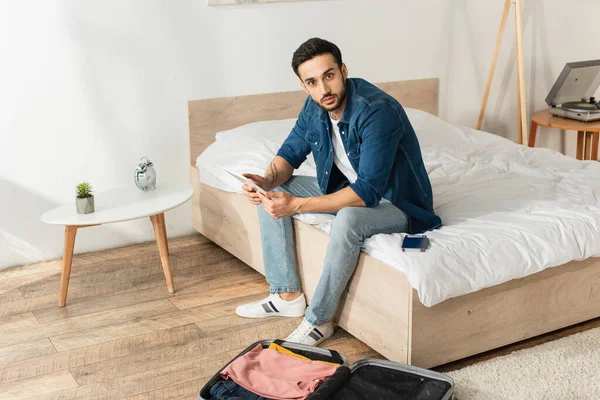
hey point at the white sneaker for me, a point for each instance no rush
(309, 334)
(273, 306)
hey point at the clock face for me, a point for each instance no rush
(150, 178)
(146, 180)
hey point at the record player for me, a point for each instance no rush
(572, 95)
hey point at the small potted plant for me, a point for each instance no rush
(85, 198)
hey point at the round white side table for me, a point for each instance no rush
(120, 204)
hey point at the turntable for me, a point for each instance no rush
(572, 95)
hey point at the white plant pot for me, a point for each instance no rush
(85, 206)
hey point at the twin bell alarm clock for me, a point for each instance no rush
(145, 175)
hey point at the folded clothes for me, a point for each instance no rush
(283, 350)
(272, 374)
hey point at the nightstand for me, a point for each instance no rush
(587, 132)
(120, 204)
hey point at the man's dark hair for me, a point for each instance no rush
(312, 48)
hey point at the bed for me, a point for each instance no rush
(380, 307)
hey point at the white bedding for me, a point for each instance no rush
(508, 211)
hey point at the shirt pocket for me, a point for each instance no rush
(314, 139)
(354, 152)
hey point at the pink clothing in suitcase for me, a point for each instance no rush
(275, 375)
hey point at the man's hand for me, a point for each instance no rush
(250, 193)
(280, 205)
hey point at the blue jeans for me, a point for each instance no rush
(351, 227)
(229, 390)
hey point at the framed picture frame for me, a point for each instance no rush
(240, 2)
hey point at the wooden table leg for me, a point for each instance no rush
(588, 146)
(160, 231)
(580, 144)
(70, 233)
(595, 146)
(532, 134)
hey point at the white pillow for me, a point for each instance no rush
(251, 147)
(247, 148)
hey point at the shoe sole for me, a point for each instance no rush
(318, 342)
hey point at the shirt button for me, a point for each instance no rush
(315, 142)
(342, 132)
(326, 172)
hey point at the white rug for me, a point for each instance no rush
(567, 368)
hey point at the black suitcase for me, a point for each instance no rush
(368, 379)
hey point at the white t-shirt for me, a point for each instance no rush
(340, 158)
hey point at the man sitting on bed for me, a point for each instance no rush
(370, 174)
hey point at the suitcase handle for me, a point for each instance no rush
(337, 359)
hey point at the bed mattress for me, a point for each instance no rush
(508, 211)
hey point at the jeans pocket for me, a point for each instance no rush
(230, 385)
(217, 390)
(229, 390)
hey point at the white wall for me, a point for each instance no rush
(88, 87)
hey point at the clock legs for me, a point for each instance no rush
(160, 231)
(70, 232)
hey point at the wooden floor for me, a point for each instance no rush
(122, 335)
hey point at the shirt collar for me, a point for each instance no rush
(350, 89)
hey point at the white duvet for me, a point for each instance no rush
(508, 211)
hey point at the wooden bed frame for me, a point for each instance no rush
(379, 306)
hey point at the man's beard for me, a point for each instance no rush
(335, 105)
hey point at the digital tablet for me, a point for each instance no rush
(248, 182)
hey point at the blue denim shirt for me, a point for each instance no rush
(381, 145)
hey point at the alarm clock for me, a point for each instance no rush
(145, 175)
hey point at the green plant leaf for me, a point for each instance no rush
(84, 190)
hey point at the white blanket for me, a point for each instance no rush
(508, 211)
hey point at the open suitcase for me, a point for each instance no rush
(365, 379)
